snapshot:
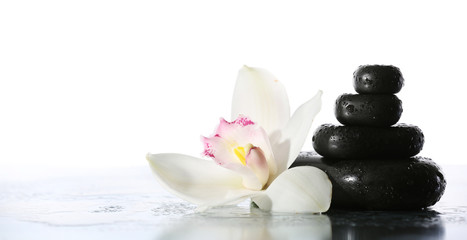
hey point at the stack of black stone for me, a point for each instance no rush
(370, 159)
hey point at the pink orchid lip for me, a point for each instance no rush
(237, 146)
(242, 121)
(208, 151)
(223, 127)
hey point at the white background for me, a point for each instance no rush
(101, 83)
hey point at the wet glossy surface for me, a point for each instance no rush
(376, 79)
(378, 110)
(129, 204)
(398, 141)
(380, 184)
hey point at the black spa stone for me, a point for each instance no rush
(398, 141)
(380, 184)
(378, 79)
(379, 110)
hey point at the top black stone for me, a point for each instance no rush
(378, 79)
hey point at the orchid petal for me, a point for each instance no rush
(197, 180)
(261, 97)
(288, 143)
(301, 189)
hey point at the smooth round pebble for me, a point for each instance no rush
(337, 141)
(380, 184)
(377, 79)
(379, 110)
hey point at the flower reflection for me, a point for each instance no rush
(237, 222)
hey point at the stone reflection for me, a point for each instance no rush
(386, 225)
(243, 223)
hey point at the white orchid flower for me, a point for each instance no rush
(252, 154)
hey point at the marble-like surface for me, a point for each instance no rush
(128, 203)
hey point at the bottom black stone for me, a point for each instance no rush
(386, 184)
